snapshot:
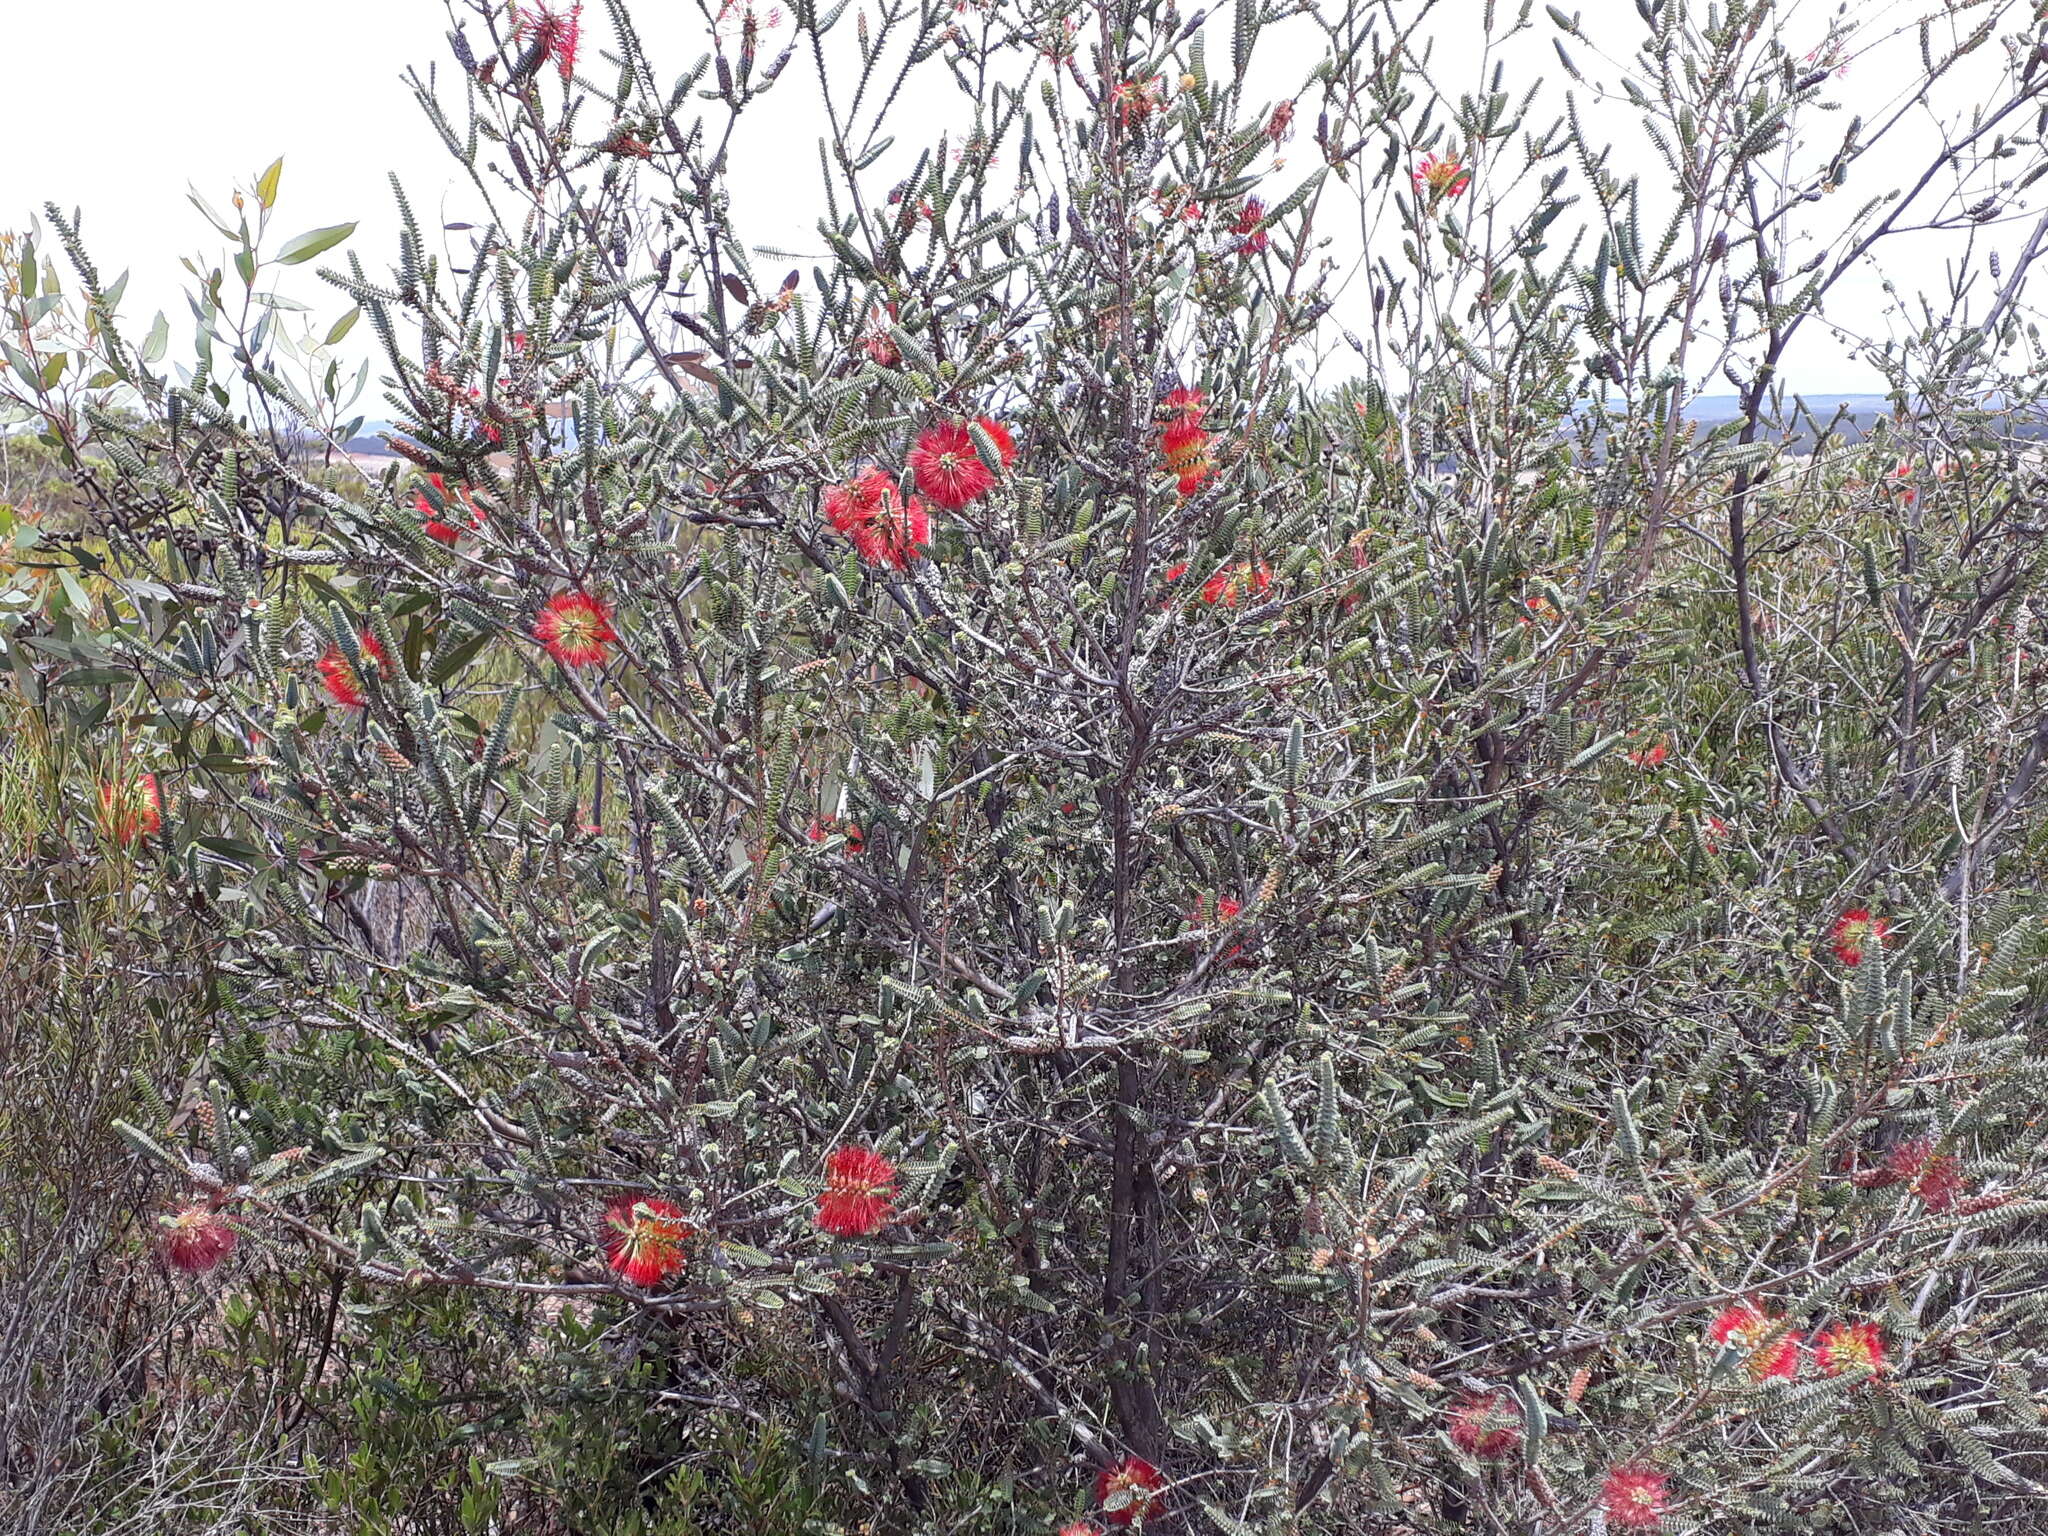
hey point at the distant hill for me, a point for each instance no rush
(1709, 411)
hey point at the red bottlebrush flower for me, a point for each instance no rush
(883, 528)
(1249, 220)
(947, 467)
(643, 1239)
(131, 809)
(1282, 119)
(1128, 1490)
(1224, 912)
(1136, 100)
(576, 629)
(1902, 478)
(1939, 1183)
(860, 1183)
(1769, 1350)
(902, 531)
(626, 147)
(556, 33)
(1849, 1347)
(1006, 445)
(851, 505)
(1937, 1178)
(824, 827)
(1441, 176)
(1650, 756)
(1081, 1528)
(1487, 1425)
(1175, 572)
(1185, 448)
(343, 683)
(1713, 830)
(1634, 1497)
(195, 1238)
(1186, 405)
(434, 510)
(1853, 930)
(1235, 583)
(877, 342)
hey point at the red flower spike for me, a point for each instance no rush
(1770, 1351)
(860, 1185)
(344, 685)
(1650, 756)
(1128, 1490)
(556, 32)
(131, 809)
(1634, 1497)
(881, 526)
(902, 532)
(1185, 448)
(1713, 830)
(851, 506)
(1185, 405)
(947, 467)
(1136, 100)
(1849, 1347)
(1232, 585)
(824, 827)
(1081, 1528)
(576, 629)
(1249, 220)
(1853, 930)
(1223, 913)
(1441, 176)
(195, 1239)
(879, 345)
(1903, 478)
(1486, 1425)
(434, 519)
(626, 147)
(1936, 1177)
(643, 1239)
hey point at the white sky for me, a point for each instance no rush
(137, 99)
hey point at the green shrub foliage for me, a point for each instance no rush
(1427, 946)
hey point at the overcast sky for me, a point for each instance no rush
(132, 101)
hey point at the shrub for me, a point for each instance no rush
(959, 856)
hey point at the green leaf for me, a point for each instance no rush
(212, 217)
(305, 247)
(344, 325)
(91, 677)
(266, 184)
